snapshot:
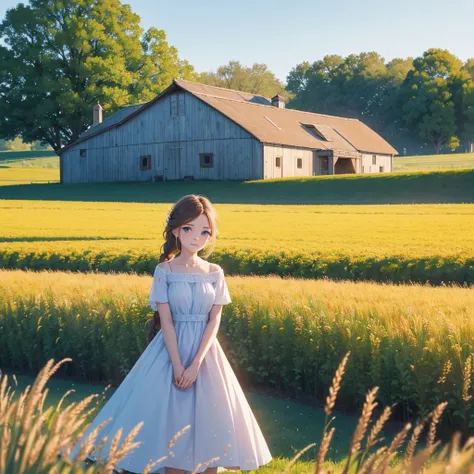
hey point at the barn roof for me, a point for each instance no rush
(269, 124)
(291, 127)
(114, 119)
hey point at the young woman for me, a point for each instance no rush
(183, 377)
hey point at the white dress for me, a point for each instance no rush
(222, 422)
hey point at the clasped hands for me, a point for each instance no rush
(185, 377)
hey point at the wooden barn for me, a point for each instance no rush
(195, 131)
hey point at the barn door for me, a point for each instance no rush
(173, 163)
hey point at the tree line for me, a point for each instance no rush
(59, 59)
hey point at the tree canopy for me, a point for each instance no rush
(430, 97)
(61, 58)
(257, 79)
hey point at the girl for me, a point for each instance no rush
(183, 376)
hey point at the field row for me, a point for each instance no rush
(285, 334)
(396, 243)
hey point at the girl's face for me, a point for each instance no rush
(195, 234)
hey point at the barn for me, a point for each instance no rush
(201, 132)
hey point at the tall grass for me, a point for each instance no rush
(414, 342)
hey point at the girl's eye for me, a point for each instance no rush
(185, 229)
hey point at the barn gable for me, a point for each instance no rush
(181, 136)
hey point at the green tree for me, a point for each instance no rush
(257, 79)
(61, 57)
(360, 86)
(426, 98)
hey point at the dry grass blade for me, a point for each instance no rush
(467, 374)
(204, 465)
(361, 428)
(376, 429)
(177, 435)
(323, 449)
(392, 449)
(436, 415)
(368, 466)
(335, 386)
(297, 456)
(410, 451)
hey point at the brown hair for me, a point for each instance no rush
(185, 210)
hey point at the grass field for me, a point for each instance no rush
(26, 167)
(433, 162)
(407, 230)
(455, 186)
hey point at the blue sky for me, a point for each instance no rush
(209, 33)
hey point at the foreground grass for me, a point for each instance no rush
(49, 443)
(287, 426)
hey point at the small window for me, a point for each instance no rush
(83, 152)
(381, 169)
(145, 162)
(362, 169)
(278, 161)
(374, 159)
(299, 162)
(206, 160)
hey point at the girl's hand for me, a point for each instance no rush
(178, 372)
(189, 377)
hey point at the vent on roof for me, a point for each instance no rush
(318, 131)
(272, 122)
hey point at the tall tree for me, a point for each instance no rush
(257, 79)
(62, 57)
(426, 98)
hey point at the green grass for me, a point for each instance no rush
(13, 157)
(433, 162)
(456, 186)
(27, 167)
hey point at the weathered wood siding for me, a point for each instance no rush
(288, 160)
(174, 131)
(381, 160)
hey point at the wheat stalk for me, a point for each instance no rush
(335, 386)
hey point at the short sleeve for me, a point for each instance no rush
(222, 292)
(159, 289)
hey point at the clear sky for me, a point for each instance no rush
(282, 34)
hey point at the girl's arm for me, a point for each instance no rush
(209, 335)
(169, 333)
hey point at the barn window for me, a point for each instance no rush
(145, 162)
(206, 160)
(374, 159)
(299, 162)
(83, 152)
(278, 161)
(381, 168)
(177, 103)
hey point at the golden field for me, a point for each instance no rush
(364, 230)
